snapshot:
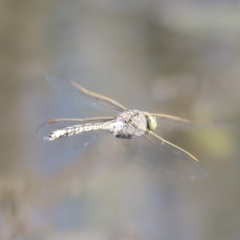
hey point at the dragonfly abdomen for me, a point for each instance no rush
(76, 129)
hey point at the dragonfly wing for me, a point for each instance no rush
(167, 122)
(83, 96)
(79, 140)
(155, 153)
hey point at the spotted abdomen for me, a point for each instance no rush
(76, 129)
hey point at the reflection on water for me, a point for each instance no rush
(175, 59)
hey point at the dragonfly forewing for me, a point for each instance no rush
(172, 123)
(155, 153)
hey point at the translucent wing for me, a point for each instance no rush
(155, 153)
(80, 140)
(168, 122)
(85, 97)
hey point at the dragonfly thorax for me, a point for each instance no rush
(130, 124)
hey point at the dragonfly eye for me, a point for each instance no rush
(152, 122)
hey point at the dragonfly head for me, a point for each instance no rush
(152, 121)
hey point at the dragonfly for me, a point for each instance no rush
(133, 131)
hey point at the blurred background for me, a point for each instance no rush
(174, 57)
